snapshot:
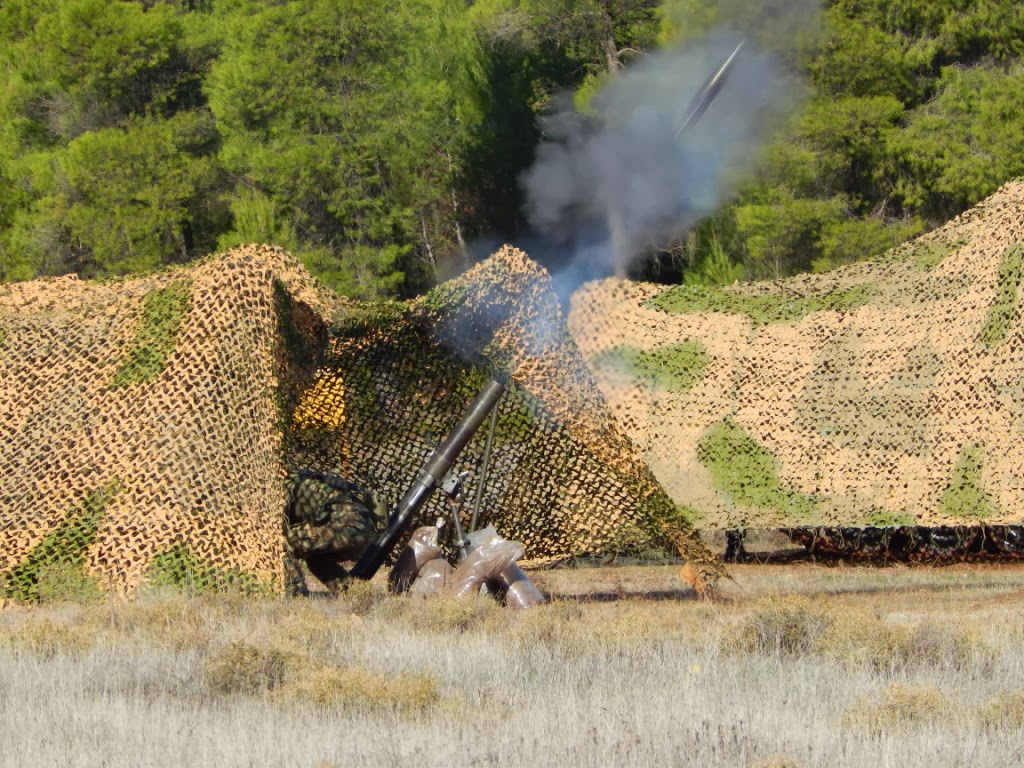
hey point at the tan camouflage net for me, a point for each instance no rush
(563, 479)
(887, 393)
(146, 426)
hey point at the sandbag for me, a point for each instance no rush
(423, 547)
(433, 577)
(489, 555)
(520, 592)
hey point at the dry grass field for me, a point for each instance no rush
(795, 665)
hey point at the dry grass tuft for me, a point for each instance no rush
(777, 761)
(556, 624)
(48, 639)
(445, 614)
(302, 624)
(799, 626)
(1004, 711)
(168, 620)
(900, 705)
(362, 597)
(862, 637)
(356, 688)
(299, 676)
(239, 668)
(930, 644)
(780, 625)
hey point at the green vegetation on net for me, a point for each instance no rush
(762, 308)
(925, 253)
(930, 255)
(178, 567)
(672, 367)
(163, 311)
(842, 405)
(55, 568)
(747, 472)
(965, 496)
(1004, 312)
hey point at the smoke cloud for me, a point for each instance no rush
(605, 188)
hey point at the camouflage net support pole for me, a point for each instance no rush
(484, 465)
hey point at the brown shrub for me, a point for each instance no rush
(169, 620)
(361, 597)
(302, 626)
(445, 614)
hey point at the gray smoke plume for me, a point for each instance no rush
(607, 187)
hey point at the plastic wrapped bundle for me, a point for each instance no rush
(519, 591)
(423, 548)
(432, 579)
(489, 555)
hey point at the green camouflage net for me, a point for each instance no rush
(147, 425)
(885, 393)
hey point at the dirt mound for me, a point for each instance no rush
(889, 392)
(146, 425)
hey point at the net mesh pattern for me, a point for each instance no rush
(147, 425)
(885, 393)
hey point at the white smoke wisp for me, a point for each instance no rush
(604, 189)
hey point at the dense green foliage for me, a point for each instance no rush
(371, 139)
(375, 140)
(178, 567)
(913, 114)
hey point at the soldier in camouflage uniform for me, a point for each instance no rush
(327, 520)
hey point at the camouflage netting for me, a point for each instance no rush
(146, 426)
(884, 393)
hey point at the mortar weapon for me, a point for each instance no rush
(707, 93)
(430, 476)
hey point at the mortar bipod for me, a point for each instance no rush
(452, 488)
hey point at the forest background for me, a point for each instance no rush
(383, 142)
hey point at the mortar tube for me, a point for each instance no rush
(430, 475)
